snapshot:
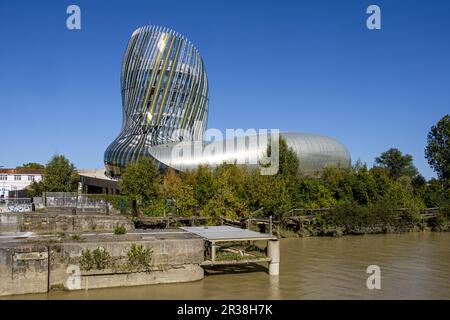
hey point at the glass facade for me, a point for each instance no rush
(165, 102)
(164, 95)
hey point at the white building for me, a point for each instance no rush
(14, 180)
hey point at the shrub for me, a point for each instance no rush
(87, 261)
(76, 237)
(139, 257)
(101, 258)
(120, 230)
(97, 259)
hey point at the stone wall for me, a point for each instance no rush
(24, 269)
(10, 222)
(37, 268)
(55, 223)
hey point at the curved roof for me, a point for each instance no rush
(314, 151)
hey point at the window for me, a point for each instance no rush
(3, 177)
(17, 178)
(30, 178)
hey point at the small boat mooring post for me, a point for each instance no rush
(213, 251)
(273, 252)
(270, 224)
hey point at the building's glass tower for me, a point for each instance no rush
(164, 95)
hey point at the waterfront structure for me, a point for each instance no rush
(13, 182)
(165, 104)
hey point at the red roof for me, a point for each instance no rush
(21, 171)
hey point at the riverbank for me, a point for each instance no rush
(413, 266)
(90, 261)
(363, 220)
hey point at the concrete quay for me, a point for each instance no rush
(40, 252)
(39, 264)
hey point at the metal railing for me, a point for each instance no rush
(72, 200)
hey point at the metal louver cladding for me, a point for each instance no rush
(165, 105)
(164, 95)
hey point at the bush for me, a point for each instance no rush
(87, 261)
(101, 258)
(121, 203)
(97, 259)
(139, 257)
(439, 223)
(76, 237)
(120, 230)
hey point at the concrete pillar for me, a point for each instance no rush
(213, 251)
(273, 252)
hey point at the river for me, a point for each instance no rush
(413, 266)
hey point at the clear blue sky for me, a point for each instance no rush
(309, 66)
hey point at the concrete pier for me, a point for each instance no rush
(37, 263)
(41, 264)
(273, 252)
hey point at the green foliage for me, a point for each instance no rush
(396, 163)
(97, 259)
(87, 260)
(35, 189)
(141, 182)
(437, 151)
(119, 202)
(378, 199)
(155, 208)
(289, 164)
(185, 202)
(31, 165)
(101, 258)
(203, 185)
(139, 257)
(60, 175)
(171, 183)
(118, 230)
(76, 237)
(435, 194)
(353, 218)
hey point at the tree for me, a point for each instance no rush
(31, 165)
(203, 184)
(185, 203)
(289, 164)
(397, 164)
(171, 183)
(35, 189)
(270, 193)
(141, 182)
(435, 194)
(60, 175)
(437, 151)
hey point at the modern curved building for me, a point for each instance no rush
(164, 95)
(165, 105)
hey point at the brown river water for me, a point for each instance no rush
(413, 266)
